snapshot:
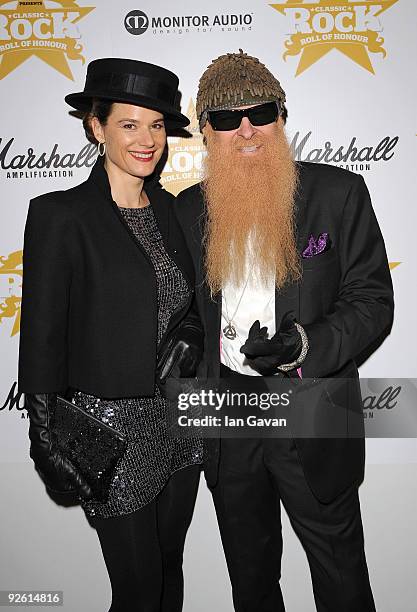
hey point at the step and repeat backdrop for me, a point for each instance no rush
(348, 68)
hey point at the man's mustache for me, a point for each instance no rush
(242, 143)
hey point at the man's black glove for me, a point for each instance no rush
(181, 352)
(58, 474)
(265, 355)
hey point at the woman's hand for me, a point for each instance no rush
(182, 352)
(58, 474)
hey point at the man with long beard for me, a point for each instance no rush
(292, 280)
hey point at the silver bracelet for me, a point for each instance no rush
(285, 367)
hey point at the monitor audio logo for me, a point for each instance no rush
(315, 28)
(45, 29)
(136, 22)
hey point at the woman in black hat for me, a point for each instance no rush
(107, 307)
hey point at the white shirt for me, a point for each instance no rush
(242, 305)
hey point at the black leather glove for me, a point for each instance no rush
(58, 474)
(265, 355)
(181, 352)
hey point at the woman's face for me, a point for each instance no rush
(135, 138)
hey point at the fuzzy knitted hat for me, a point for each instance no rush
(236, 79)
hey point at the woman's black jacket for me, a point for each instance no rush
(89, 301)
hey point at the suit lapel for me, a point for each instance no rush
(98, 183)
(288, 299)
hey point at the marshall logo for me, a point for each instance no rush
(11, 286)
(42, 29)
(386, 400)
(13, 402)
(315, 28)
(389, 407)
(352, 157)
(54, 164)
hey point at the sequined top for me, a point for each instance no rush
(151, 455)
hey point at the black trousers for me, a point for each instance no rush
(255, 477)
(143, 550)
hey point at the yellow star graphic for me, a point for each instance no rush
(48, 33)
(314, 47)
(394, 264)
(11, 267)
(185, 157)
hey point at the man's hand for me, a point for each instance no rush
(265, 355)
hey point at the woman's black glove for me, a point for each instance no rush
(58, 474)
(181, 352)
(265, 355)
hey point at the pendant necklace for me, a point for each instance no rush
(230, 330)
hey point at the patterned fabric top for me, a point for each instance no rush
(152, 456)
(172, 287)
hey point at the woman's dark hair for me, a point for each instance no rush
(100, 109)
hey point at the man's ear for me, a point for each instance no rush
(207, 128)
(204, 132)
(97, 129)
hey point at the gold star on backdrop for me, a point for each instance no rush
(53, 37)
(11, 268)
(313, 50)
(185, 159)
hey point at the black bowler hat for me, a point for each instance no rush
(132, 82)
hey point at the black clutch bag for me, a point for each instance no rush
(92, 446)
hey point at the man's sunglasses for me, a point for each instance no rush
(224, 120)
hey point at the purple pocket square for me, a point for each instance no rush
(316, 246)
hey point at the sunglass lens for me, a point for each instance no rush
(263, 114)
(225, 120)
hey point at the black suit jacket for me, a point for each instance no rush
(89, 304)
(344, 301)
